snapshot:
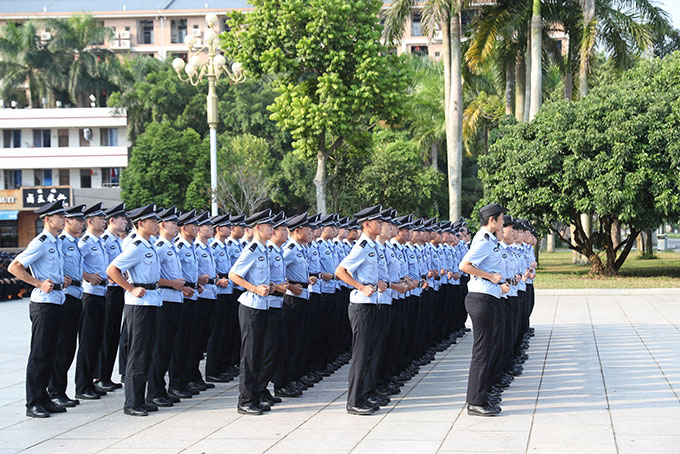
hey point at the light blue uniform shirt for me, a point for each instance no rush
(187, 257)
(362, 264)
(222, 259)
(383, 274)
(329, 263)
(411, 254)
(234, 249)
(297, 268)
(171, 268)
(485, 253)
(253, 266)
(509, 267)
(140, 260)
(206, 265)
(400, 253)
(43, 257)
(394, 267)
(129, 239)
(95, 261)
(313, 260)
(277, 273)
(113, 247)
(73, 264)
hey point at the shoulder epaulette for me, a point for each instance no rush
(85, 238)
(180, 245)
(363, 243)
(271, 248)
(133, 235)
(486, 236)
(105, 236)
(214, 245)
(319, 240)
(252, 247)
(291, 246)
(42, 238)
(137, 243)
(62, 237)
(159, 243)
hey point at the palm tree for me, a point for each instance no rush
(536, 60)
(444, 16)
(90, 67)
(25, 59)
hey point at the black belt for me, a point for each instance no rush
(75, 283)
(223, 275)
(153, 286)
(316, 275)
(190, 284)
(58, 287)
(277, 294)
(167, 287)
(299, 283)
(210, 281)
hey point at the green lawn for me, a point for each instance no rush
(557, 271)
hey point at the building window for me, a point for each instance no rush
(466, 18)
(42, 177)
(12, 179)
(64, 177)
(416, 29)
(224, 27)
(108, 137)
(85, 136)
(145, 32)
(85, 178)
(12, 138)
(42, 138)
(110, 177)
(437, 54)
(178, 30)
(419, 51)
(63, 137)
(9, 234)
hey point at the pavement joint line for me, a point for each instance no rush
(460, 412)
(604, 382)
(651, 303)
(625, 314)
(540, 382)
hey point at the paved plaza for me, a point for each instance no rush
(603, 377)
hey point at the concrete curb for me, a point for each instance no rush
(607, 291)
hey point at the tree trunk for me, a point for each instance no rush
(536, 60)
(588, 7)
(568, 70)
(649, 245)
(616, 233)
(321, 178)
(454, 129)
(527, 76)
(575, 255)
(550, 242)
(434, 155)
(586, 221)
(520, 83)
(509, 88)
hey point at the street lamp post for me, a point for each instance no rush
(213, 68)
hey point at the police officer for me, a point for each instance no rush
(142, 301)
(116, 221)
(90, 336)
(44, 257)
(68, 333)
(172, 289)
(360, 270)
(251, 271)
(484, 263)
(233, 245)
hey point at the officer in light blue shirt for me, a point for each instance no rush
(252, 272)
(68, 333)
(44, 257)
(90, 335)
(360, 270)
(142, 301)
(484, 263)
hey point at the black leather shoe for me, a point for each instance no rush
(179, 394)
(197, 386)
(150, 407)
(64, 402)
(271, 399)
(98, 390)
(191, 389)
(160, 402)
(88, 395)
(286, 392)
(103, 387)
(215, 379)
(52, 407)
(37, 411)
(205, 385)
(249, 410)
(264, 405)
(360, 410)
(135, 411)
(173, 399)
(487, 410)
(111, 384)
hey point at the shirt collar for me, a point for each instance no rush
(260, 246)
(198, 243)
(272, 244)
(67, 235)
(182, 240)
(365, 237)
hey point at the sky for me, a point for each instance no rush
(672, 7)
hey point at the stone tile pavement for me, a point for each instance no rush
(603, 377)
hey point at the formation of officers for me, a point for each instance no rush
(270, 299)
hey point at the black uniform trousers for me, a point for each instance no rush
(280, 375)
(216, 362)
(324, 331)
(198, 337)
(362, 319)
(122, 348)
(234, 346)
(311, 331)
(346, 328)
(270, 350)
(378, 344)
(45, 325)
(66, 346)
(482, 310)
(253, 323)
(180, 344)
(141, 324)
(391, 350)
(499, 341)
(113, 314)
(90, 341)
(167, 321)
(293, 319)
(463, 314)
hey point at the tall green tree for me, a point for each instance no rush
(25, 58)
(333, 79)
